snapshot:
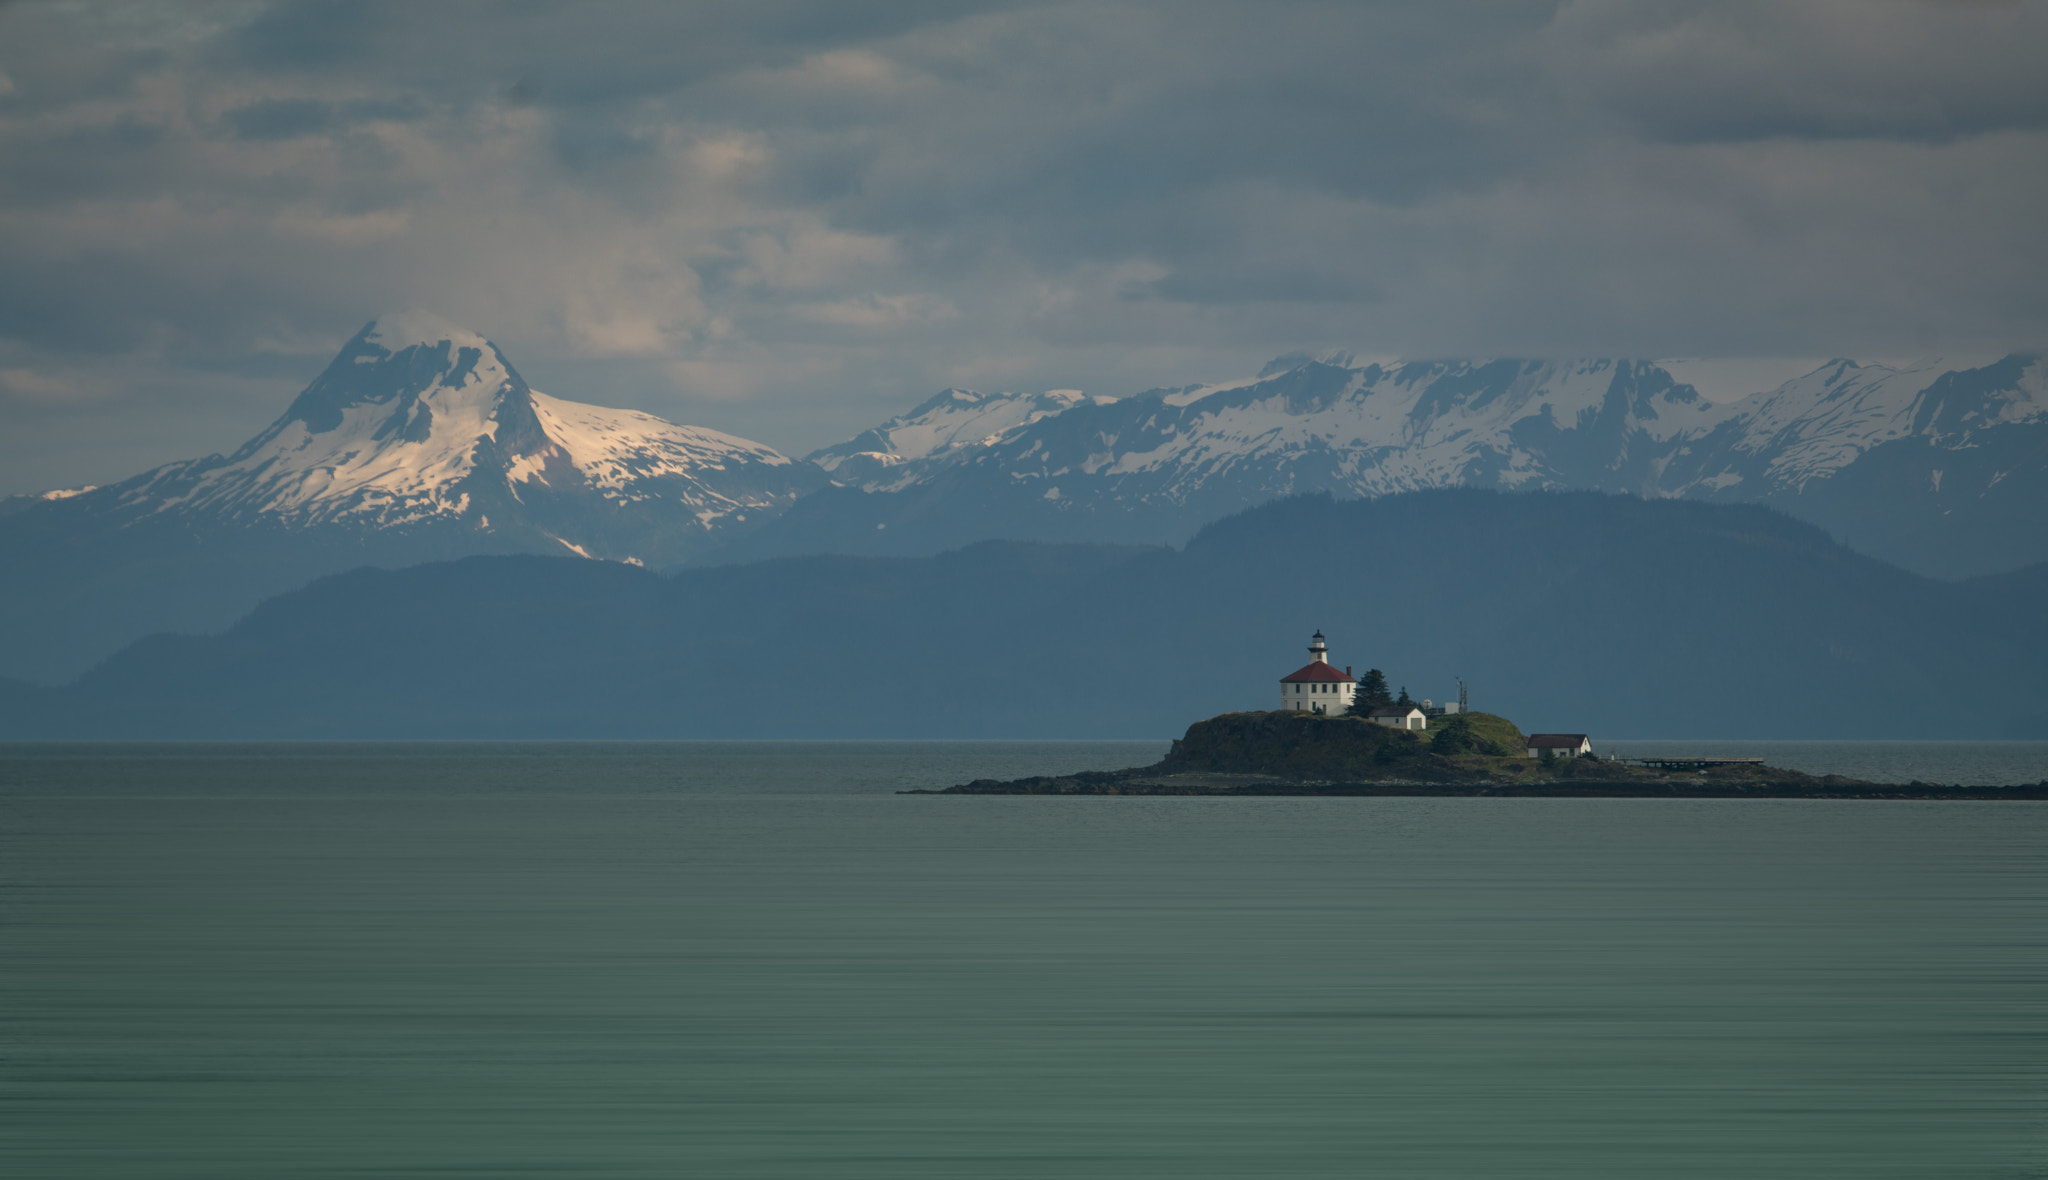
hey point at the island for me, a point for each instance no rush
(1293, 752)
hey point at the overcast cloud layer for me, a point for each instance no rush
(790, 220)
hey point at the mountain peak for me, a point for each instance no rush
(397, 331)
(1337, 359)
(418, 420)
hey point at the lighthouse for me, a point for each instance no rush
(1317, 687)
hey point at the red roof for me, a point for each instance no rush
(1556, 741)
(1317, 671)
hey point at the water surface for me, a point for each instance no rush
(755, 959)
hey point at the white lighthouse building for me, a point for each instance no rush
(1318, 687)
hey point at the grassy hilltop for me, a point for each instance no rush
(1312, 747)
(1305, 747)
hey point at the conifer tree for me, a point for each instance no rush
(1455, 737)
(1403, 698)
(1372, 689)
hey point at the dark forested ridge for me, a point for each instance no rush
(1567, 611)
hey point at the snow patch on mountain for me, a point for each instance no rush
(1188, 395)
(1818, 422)
(626, 453)
(955, 423)
(1731, 379)
(2028, 400)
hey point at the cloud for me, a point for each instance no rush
(29, 385)
(879, 311)
(789, 219)
(1751, 69)
(807, 255)
(290, 118)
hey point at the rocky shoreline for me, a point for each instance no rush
(1831, 787)
(1295, 754)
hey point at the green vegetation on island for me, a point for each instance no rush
(1313, 747)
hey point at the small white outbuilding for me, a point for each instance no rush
(1399, 717)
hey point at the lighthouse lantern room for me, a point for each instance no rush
(1318, 687)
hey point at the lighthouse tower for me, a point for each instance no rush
(1317, 687)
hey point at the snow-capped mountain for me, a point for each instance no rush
(419, 423)
(1321, 425)
(1816, 426)
(419, 442)
(952, 425)
(1920, 464)
(1318, 425)
(1378, 429)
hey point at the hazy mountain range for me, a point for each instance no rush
(1568, 611)
(421, 442)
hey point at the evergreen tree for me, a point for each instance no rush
(1455, 737)
(1372, 689)
(1403, 700)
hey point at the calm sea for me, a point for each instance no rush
(756, 959)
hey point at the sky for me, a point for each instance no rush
(792, 220)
